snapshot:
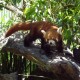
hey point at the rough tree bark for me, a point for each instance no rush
(64, 67)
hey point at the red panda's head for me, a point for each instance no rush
(53, 38)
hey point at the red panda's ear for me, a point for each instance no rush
(59, 30)
(43, 32)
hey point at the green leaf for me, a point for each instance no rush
(16, 1)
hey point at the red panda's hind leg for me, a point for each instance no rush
(28, 40)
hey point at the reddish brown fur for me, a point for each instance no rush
(35, 31)
(33, 27)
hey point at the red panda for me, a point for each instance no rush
(44, 30)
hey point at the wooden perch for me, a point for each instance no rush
(63, 67)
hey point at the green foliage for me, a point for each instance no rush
(1, 7)
(39, 10)
(14, 2)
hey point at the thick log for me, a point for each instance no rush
(11, 76)
(64, 68)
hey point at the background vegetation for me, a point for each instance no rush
(64, 13)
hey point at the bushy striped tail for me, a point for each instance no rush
(17, 27)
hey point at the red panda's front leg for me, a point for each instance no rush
(60, 46)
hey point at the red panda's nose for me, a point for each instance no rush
(52, 42)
